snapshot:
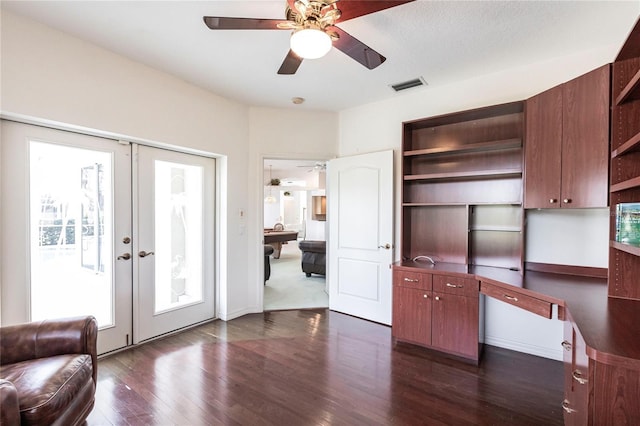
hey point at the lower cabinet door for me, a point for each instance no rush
(455, 324)
(412, 315)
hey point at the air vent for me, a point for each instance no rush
(409, 84)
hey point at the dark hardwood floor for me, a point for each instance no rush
(317, 367)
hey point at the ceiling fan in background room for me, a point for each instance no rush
(314, 30)
(315, 167)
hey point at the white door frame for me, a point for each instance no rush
(259, 222)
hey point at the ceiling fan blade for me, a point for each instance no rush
(290, 64)
(356, 49)
(225, 23)
(354, 8)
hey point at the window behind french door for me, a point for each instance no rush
(70, 213)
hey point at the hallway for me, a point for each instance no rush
(289, 288)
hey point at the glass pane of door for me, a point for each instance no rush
(178, 235)
(71, 220)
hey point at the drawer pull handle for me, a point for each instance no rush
(565, 407)
(426, 296)
(552, 200)
(577, 376)
(566, 345)
(513, 299)
(437, 297)
(454, 286)
(409, 280)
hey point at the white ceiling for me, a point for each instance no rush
(441, 41)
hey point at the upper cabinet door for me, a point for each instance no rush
(543, 149)
(567, 144)
(585, 146)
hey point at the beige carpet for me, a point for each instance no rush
(289, 288)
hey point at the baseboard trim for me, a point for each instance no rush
(227, 316)
(527, 348)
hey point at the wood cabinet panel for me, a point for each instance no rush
(616, 398)
(516, 298)
(567, 144)
(585, 145)
(543, 149)
(412, 315)
(456, 285)
(448, 321)
(576, 374)
(436, 231)
(455, 324)
(412, 280)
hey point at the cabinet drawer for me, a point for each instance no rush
(531, 304)
(412, 280)
(455, 285)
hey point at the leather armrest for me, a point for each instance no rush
(9, 406)
(77, 335)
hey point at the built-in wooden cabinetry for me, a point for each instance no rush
(597, 392)
(462, 208)
(462, 187)
(576, 377)
(437, 311)
(567, 144)
(624, 259)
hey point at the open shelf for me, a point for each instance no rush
(472, 147)
(496, 228)
(631, 91)
(480, 174)
(625, 248)
(632, 145)
(627, 184)
(515, 203)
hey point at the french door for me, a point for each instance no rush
(173, 259)
(77, 211)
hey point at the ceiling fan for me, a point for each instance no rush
(314, 30)
(318, 166)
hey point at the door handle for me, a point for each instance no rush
(125, 256)
(386, 246)
(145, 253)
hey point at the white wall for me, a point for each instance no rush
(51, 76)
(378, 126)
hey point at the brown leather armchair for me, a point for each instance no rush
(48, 371)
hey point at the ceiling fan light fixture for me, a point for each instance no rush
(310, 43)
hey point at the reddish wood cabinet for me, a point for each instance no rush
(576, 380)
(412, 307)
(567, 144)
(597, 393)
(437, 311)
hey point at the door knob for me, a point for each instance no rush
(566, 200)
(125, 256)
(386, 246)
(145, 253)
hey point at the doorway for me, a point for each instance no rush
(107, 228)
(290, 189)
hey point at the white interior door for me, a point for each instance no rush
(360, 207)
(66, 229)
(174, 248)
